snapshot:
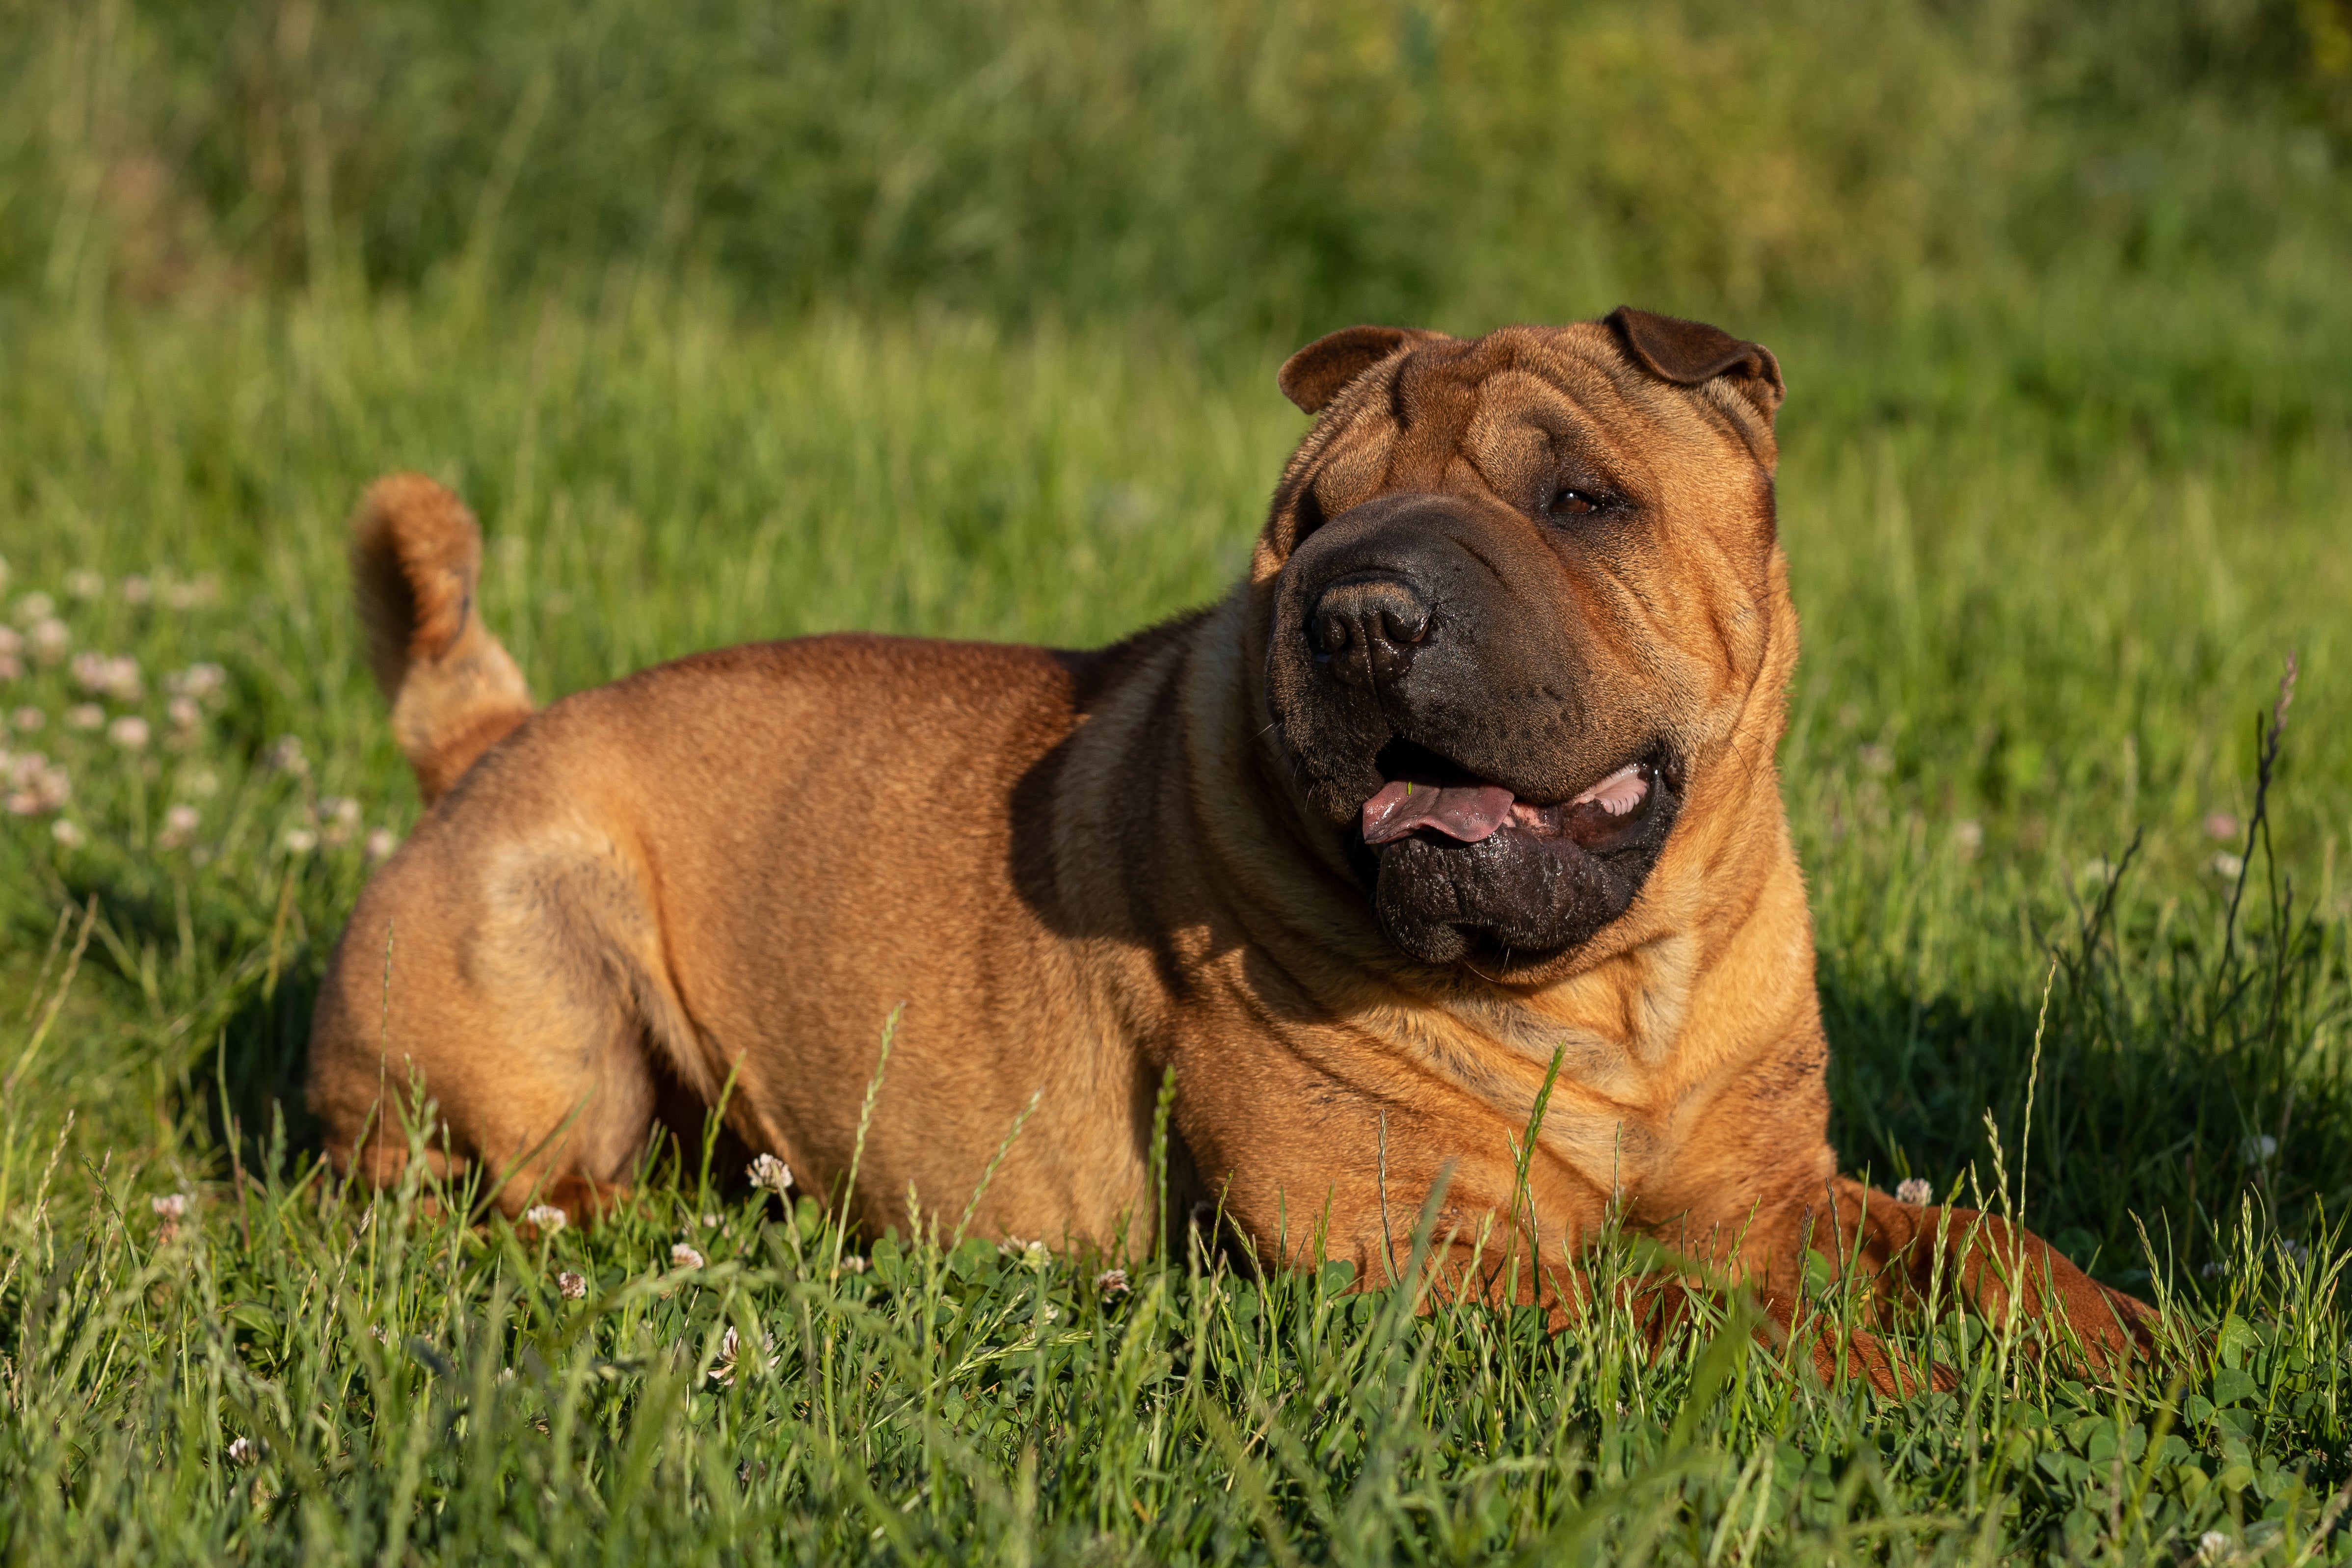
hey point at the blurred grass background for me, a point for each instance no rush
(741, 320)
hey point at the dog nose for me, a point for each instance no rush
(1365, 630)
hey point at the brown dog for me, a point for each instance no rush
(1473, 772)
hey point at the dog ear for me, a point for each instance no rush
(1312, 377)
(1690, 353)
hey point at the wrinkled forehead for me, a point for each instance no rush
(1504, 413)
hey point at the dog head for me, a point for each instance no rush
(1514, 591)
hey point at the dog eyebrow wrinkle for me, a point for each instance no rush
(1397, 410)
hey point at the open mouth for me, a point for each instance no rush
(1423, 790)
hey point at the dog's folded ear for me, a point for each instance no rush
(1692, 353)
(1312, 377)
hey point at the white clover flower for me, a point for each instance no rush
(682, 1255)
(11, 667)
(85, 715)
(243, 1451)
(730, 1348)
(84, 584)
(1970, 836)
(1112, 1282)
(187, 721)
(574, 1286)
(2213, 1270)
(26, 719)
(853, 1264)
(547, 1218)
(2211, 1545)
(180, 825)
(128, 732)
(286, 755)
(2258, 1148)
(712, 1222)
(50, 639)
(112, 675)
(67, 834)
(770, 1173)
(300, 840)
(35, 607)
(171, 1205)
(341, 814)
(12, 641)
(2227, 865)
(137, 589)
(199, 680)
(380, 842)
(1915, 1190)
(202, 589)
(35, 785)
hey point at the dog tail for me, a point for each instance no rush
(416, 552)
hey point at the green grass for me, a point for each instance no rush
(2016, 661)
(742, 320)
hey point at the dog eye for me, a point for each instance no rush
(1570, 503)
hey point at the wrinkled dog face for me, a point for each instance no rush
(1523, 581)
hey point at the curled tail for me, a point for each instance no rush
(455, 693)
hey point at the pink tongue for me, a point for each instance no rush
(1466, 811)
